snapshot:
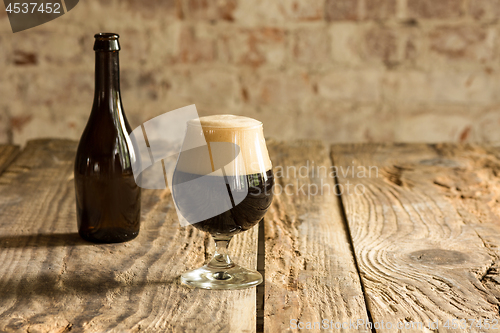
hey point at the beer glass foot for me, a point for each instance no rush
(207, 277)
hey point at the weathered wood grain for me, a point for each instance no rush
(425, 230)
(53, 281)
(310, 272)
(7, 154)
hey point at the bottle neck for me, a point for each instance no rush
(107, 77)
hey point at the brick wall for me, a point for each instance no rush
(339, 70)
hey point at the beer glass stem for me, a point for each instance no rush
(221, 259)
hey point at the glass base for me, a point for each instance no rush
(207, 277)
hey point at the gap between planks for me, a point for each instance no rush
(8, 154)
(351, 243)
(426, 231)
(261, 289)
(310, 269)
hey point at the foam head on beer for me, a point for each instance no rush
(234, 144)
(223, 179)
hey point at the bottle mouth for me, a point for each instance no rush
(106, 41)
(106, 36)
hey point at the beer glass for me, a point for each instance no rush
(223, 187)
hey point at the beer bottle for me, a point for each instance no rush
(108, 200)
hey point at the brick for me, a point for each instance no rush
(413, 45)
(381, 44)
(259, 13)
(342, 10)
(486, 126)
(454, 88)
(147, 93)
(278, 89)
(346, 122)
(40, 47)
(272, 13)
(20, 119)
(161, 48)
(466, 88)
(311, 46)
(442, 9)
(463, 42)
(194, 48)
(346, 43)
(359, 86)
(135, 49)
(8, 89)
(304, 10)
(6, 52)
(411, 50)
(438, 127)
(209, 9)
(150, 9)
(212, 87)
(94, 17)
(409, 87)
(380, 9)
(65, 88)
(142, 85)
(47, 122)
(253, 47)
(22, 58)
(484, 9)
(333, 121)
(161, 91)
(17, 123)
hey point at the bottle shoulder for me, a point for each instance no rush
(108, 154)
(104, 134)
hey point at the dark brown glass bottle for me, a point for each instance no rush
(108, 201)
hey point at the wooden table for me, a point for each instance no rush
(418, 240)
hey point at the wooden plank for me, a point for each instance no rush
(7, 154)
(426, 231)
(310, 273)
(51, 280)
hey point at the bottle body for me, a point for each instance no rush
(108, 199)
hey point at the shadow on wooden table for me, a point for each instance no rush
(53, 284)
(42, 240)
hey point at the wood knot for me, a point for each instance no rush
(394, 174)
(438, 257)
